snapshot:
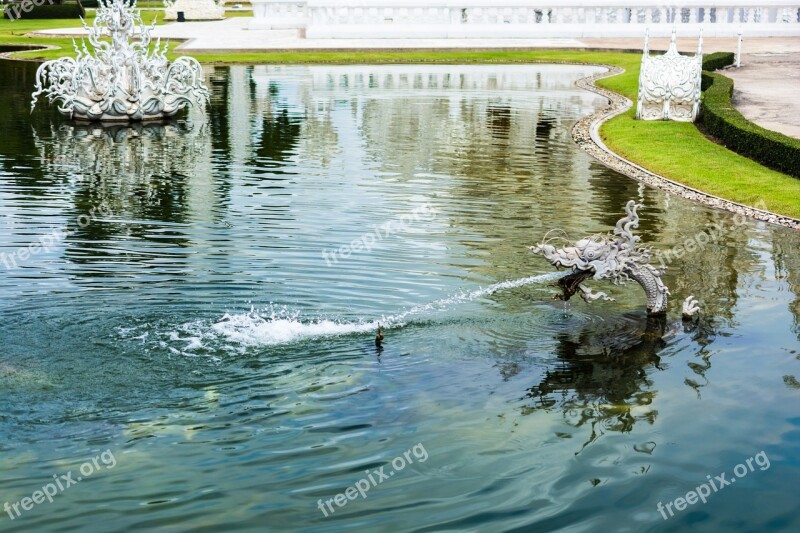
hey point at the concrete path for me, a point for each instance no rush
(232, 35)
(766, 91)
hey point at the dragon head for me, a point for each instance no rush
(582, 255)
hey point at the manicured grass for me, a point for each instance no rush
(678, 151)
(681, 152)
(12, 32)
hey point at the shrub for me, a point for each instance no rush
(44, 11)
(718, 60)
(720, 118)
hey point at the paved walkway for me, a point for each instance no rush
(767, 91)
(232, 35)
(766, 85)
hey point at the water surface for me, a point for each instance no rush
(190, 308)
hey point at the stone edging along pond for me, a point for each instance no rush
(586, 134)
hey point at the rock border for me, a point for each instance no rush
(586, 134)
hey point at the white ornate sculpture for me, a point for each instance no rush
(617, 257)
(194, 9)
(121, 80)
(669, 84)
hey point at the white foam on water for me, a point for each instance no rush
(253, 329)
(276, 326)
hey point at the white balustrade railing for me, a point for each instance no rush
(279, 14)
(377, 19)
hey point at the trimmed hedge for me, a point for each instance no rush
(723, 121)
(718, 60)
(45, 11)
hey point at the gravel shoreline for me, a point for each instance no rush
(585, 134)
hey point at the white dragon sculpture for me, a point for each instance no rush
(616, 256)
(124, 79)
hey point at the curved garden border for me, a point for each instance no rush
(586, 134)
(7, 51)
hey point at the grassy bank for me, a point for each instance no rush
(681, 152)
(13, 32)
(678, 151)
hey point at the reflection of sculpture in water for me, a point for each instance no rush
(602, 376)
(703, 332)
(141, 171)
(617, 257)
(786, 254)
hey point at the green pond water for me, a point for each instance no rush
(176, 297)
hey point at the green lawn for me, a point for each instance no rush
(12, 32)
(678, 151)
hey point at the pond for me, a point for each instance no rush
(190, 310)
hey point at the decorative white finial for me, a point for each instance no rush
(739, 48)
(673, 41)
(700, 44)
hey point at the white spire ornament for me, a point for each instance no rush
(125, 80)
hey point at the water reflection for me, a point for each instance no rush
(133, 174)
(150, 171)
(149, 308)
(601, 378)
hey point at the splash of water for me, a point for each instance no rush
(275, 326)
(464, 297)
(281, 327)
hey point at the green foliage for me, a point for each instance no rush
(724, 122)
(718, 60)
(45, 11)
